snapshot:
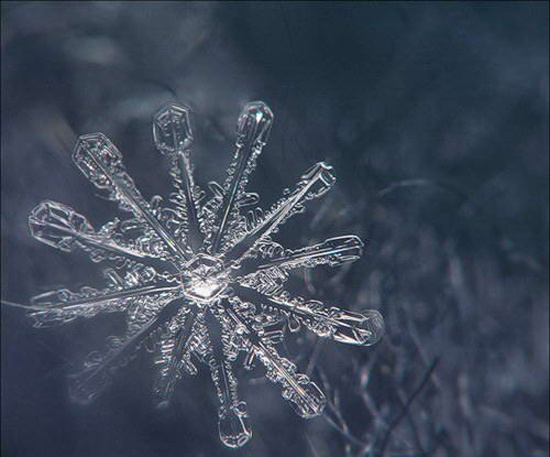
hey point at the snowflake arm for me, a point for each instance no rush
(173, 137)
(61, 306)
(174, 355)
(361, 329)
(99, 368)
(274, 259)
(59, 226)
(101, 162)
(234, 424)
(252, 133)
(314, 183)
(305, 397)
(332, 252)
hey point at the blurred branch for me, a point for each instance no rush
(404, 411)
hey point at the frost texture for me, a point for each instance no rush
(198, 276)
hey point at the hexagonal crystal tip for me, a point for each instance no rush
(310, 402)
(372, 328)
(255, 123)
(172, 129)
(234, 426)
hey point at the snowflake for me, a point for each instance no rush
(198, 277)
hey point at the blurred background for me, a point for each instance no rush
(435, 118)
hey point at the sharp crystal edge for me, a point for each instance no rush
(198, 276)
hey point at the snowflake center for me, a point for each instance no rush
(206, 280)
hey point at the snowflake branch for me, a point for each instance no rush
(88, 384)
(306, 398)
(234, 425)
(332, 252)
(101, 162)
(173, 137)
(253, 131)
(314, 183)
(61, 306)
(174, 356)
(341, 325)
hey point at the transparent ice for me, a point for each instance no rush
(198, 276)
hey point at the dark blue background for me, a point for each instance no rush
(435, 117)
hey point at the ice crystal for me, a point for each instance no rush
(198, 276)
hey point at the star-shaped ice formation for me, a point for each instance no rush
(199, 276)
